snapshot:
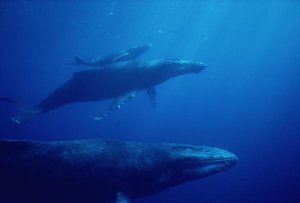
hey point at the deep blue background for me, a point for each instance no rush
(246, 101)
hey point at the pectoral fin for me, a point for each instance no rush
(123, 198)
(116, 104)
(152, 96)
(120, 57)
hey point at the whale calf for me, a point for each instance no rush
(98, 171)
(117, 81)
(126, 55)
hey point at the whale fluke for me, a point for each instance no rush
(26, 114)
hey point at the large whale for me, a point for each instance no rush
(96, 171)
(118, 81)
(126, 55)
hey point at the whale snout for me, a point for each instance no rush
(223, 158)
(198, 66)
(193, 66)
(195, 162)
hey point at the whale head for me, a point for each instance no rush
(179, 67)
(164, 69)
(188, 163)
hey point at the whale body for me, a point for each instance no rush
(118, 81)
(98, 171)
(126, 55)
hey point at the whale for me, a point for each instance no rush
(126, 55)
(99, 171)
(118, 81)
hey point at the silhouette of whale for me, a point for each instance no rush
(126, 55)
(118, 81)
(97, 171)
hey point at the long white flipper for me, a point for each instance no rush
(116, 104)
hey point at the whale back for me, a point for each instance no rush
(72, 171)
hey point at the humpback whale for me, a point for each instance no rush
(126, 55)
(118, 81)
(98, 171)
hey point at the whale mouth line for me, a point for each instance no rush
(190, 63)
(208, 160)
(192, 66)
(216, 160)
(220, 163)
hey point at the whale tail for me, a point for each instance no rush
(25, 114)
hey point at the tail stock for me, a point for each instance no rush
(25, 114)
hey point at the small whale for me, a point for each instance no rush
(126, 55)
(98, 171)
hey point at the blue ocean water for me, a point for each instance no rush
(246, 101)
